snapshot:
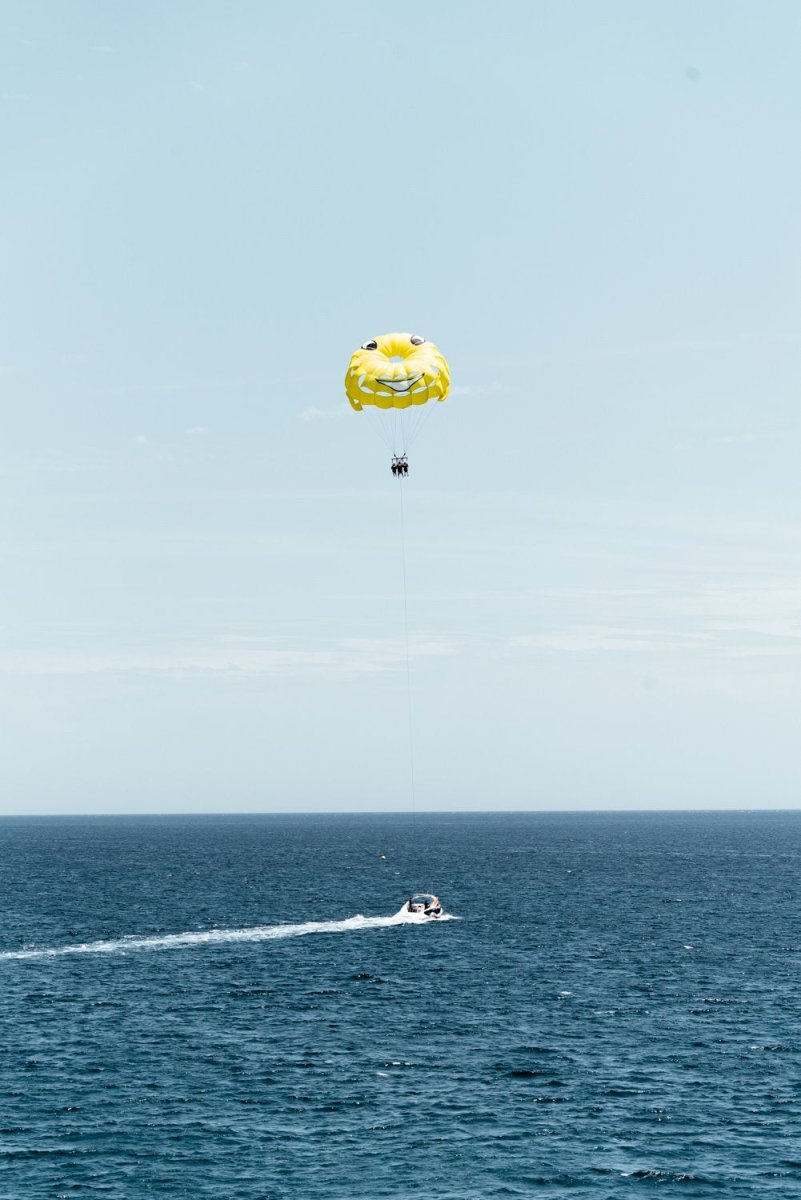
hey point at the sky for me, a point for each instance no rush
(593, 211)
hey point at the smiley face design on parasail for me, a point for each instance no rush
(396, 370)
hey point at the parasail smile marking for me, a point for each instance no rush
(400, 385)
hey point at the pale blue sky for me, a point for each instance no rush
(593, 210)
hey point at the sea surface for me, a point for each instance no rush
(231, 1007)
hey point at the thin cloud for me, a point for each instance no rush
(192, 385)
(485, 389)
(593, 638)
(240, 657)
(745, 439)
(646, 349)
(309, 415)
(753, 621)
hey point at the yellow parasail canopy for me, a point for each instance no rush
(396, 370)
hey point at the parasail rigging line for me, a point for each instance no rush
(412, 795)
(401, 378)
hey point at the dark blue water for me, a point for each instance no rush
(616, 1012)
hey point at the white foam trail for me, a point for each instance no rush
(255, 933)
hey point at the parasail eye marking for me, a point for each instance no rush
(371, 345)
(416, 340)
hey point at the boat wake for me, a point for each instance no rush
(213, 937)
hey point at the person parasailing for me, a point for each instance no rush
(396, 375)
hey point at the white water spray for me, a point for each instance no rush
(213, 937)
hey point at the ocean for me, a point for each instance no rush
(231, 1007)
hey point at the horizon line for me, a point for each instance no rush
(397, 812)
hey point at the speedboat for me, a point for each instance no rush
(424, 904)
